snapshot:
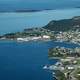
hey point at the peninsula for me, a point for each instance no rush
(67, 30)
(68, 65)
(31, 34)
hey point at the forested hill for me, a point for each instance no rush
(64, 25)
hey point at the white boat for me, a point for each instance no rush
(45, 67)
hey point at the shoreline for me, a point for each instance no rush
(25, 41)
(35, 40)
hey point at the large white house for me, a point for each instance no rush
(46, 37)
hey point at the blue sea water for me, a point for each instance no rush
(25, 61)
(12, 22)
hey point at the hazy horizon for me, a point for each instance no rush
(6, 5)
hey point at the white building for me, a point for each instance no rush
(36, 38)
(46, 37)
(70, 68)
(22, 39)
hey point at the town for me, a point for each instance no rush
(68, 65)
(72, 36)
(32, 34)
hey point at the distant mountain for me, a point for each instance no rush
(24, 10)
(29, 10)
(77, 7)
(64, 25)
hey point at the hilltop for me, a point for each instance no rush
(64, 25)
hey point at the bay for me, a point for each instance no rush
(25, 61)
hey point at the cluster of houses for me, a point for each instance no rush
(62, 52)
(28, 35)
(68, 63)
(69, 36)
(44, 37)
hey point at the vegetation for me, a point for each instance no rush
(32, 32)
(64, 25)
(77, 74)
(62, 52)
(60, 75)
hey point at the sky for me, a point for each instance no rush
(37, 4)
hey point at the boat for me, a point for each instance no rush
(45, 67)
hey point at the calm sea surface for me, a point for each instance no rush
(11, 22)
(25, 61)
